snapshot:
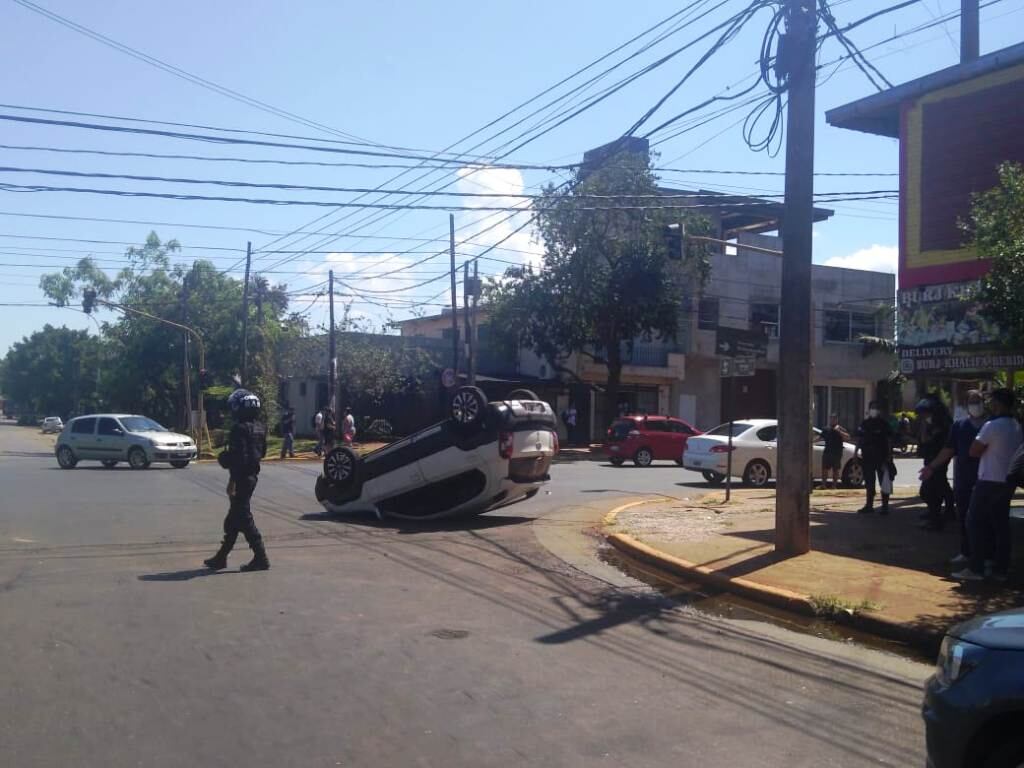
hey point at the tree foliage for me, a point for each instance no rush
(53, 372)
(996, 231)
(608, 276)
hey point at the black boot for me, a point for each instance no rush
(259, 560)
(885, 506)
(220, 560)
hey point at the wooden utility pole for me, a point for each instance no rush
(245, 315)
(455, 300)
(970, 36)
(332, 362)
(793, 485)
(467, 324)
(186, 373)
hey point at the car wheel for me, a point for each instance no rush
(757, 473)
(180, 464)
(679, 462)
(522, 394)
(1010, 754)
(467, 407)
(853, 474)
(109, 463)
(137, 458)
(713, 477)
(340, 467)
(66, 458)
(618, 461)
(643, 457)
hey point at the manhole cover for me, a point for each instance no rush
(450, 634)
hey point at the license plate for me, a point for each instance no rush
(182, 455)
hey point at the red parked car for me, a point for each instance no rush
(645, 439)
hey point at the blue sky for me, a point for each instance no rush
(412, 74)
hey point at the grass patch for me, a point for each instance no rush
(302, 445)
(830, 606)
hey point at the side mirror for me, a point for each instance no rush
(118, 431)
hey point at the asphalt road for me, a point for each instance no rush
(371, 645)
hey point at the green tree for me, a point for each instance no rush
(607, 277)
(53, 372)
(995, 229)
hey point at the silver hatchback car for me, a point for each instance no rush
(112, 437)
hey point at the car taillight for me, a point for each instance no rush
(723, 448)
(505, 445)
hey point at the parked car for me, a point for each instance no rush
(484, 455)
(974, 703)
(646, 439)
(754, 444)
(51, 424)
(111, 438)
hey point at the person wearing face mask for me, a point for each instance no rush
(874, 446)
(934, 424)
(965, 467)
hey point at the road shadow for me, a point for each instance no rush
(475, 523)
(187, 575)
(614, 609)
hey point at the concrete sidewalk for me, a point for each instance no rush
(882, 574)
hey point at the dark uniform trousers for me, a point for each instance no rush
(239, 519)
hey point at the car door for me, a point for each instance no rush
(82, 437)
(658, 438)
(110, 439)
(769, 442)
(679, 431)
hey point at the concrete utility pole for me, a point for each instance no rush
(455, 300)
(970, 36)
(793, 485)
(467, 323)
(332, 363)
(474, 341)
(245, 316)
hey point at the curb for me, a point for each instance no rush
(774, 596)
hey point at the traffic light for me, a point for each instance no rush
(675, 241)
(88, 300)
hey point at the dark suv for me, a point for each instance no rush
(974, 703)
(647, 438)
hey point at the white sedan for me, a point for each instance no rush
(485, 455)
(754, 449)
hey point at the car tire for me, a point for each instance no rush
(1009, 754)
(109, 463)
(853, 474)
(522, 394)
(137, 458)
(468, 407)
(180, 464)
(643, 457)
(679, 462)
(341, 467)
(618, 461)
(713, 478)
(66, 457)
(757, 474)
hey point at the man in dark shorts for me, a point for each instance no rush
(874, 445)
(832, 459)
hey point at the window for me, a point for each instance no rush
(843, 326)
(848, 402)
(302, 389)
(83, 426)
(707, 314)
(738, 428)
(656, 426)
(764, 317)
(768, 434)
(109, 426)
(680, 428)
(141, 424)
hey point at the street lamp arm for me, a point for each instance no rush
(192, 331)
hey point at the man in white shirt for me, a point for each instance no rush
(318, 425)
(988, 519)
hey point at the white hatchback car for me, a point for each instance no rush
(485, 455)
(113, 437)
(754, 448)
(51, 425)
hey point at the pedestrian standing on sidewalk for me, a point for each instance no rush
(988, 519)
(874, 446)
(832, 459)
(965, 467)
(348, 428)
(318, 427)
(288, 432)
(570, 417)
(934, 423)
(330, 429)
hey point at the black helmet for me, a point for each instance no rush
(244, 404)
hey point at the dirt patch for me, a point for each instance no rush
(671, 523)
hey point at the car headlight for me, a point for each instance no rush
(956, 658)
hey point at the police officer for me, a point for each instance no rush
(247, 445)
(934, 423)
(874, 445)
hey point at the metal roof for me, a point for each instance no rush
(880, 112)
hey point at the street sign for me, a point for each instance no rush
(736, 342)
(744, 366)
(725, 366)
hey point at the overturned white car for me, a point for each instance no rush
(483, 456)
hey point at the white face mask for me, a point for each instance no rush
(976, 410)
(873, 413)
